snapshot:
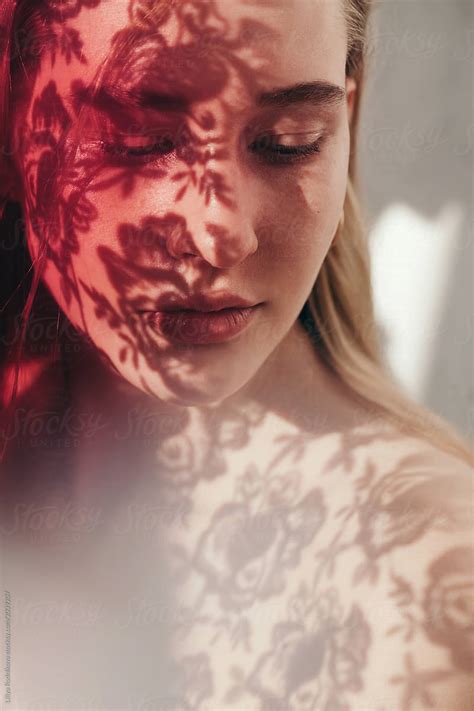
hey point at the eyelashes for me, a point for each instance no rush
(273, 149)
(140, 148)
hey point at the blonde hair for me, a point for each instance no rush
(340, 307)
(341, 301)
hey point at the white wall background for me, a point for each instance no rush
(416, 174)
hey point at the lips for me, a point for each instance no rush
(200, 327)
(203, 303)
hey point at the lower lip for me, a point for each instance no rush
(200, 327)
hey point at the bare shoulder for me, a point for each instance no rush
(430, 485)
(389, 574)
(391, 475)
(383, 455)
(402, 556)
(423, 639)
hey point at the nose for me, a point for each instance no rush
(218, 213)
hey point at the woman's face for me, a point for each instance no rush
(179, 177)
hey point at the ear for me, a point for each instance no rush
(351, 91)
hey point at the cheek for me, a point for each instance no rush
(125, 248)
(310, 205)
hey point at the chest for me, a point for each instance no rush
(176, 594)
(129, 613)
(247, 586)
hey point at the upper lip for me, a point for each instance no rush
(202, 302)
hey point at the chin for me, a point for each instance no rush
(183, 391)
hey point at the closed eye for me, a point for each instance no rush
(285, 148)
(137, 146)
(273, 149)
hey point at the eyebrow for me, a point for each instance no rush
(316, 93)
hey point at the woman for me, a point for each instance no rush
(214, 496)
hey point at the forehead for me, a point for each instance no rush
(280, 41)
